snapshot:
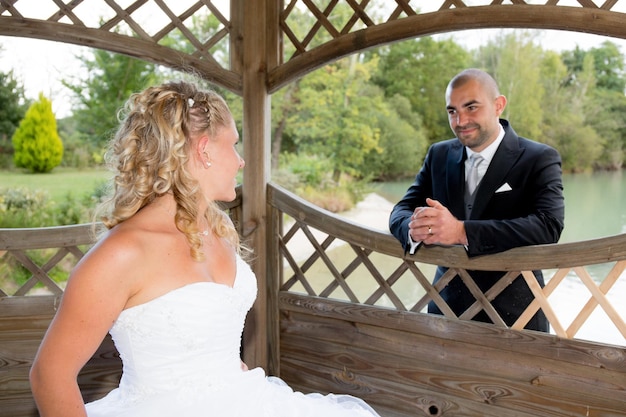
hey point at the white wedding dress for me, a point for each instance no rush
(181, 358)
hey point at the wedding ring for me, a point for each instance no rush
(430, 231)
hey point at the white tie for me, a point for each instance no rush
(473, 177)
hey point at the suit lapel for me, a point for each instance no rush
(456, 180)
(503, 160)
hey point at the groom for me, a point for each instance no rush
(487, 189)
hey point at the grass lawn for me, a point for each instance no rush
(59, 183)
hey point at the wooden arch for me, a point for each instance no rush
(257, 35)
(123, 29)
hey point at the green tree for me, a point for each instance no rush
(111, 79)
(402, 140)
(608, 61)
(603, 100)
(605, 107)
(13, 106)
(564, 123)
(334, 115)
(605, 111)
(284, 105)
(37, 144)
(420, 69)
(514, 60)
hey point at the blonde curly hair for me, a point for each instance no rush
(150, 152)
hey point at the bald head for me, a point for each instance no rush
(486, 81)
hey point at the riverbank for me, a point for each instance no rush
(373, 211)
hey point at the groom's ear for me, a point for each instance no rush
(500, 104)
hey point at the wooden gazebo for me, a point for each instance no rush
(326, 336)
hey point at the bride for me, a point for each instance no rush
(168, 279)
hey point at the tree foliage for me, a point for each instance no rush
(606, 113)
(13, 106)
(402, 139)
(419, 69)
(608, 63)
(37, 144)
(111, 79)
(501, 57)
(334, 113)
(600, 77)
(373, 114)
(552, 98)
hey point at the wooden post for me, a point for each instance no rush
(251, 16)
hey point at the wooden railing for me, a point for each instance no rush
(59, 245)
(329, 32)
(344, 27)
(346, 316)
(41, 250)
(43, 258)
(350, 320)
(375, 266)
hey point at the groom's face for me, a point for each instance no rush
(473, 114)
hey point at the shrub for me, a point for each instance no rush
(36, 141)
(311, 177)
(77, 210)
(21, 207)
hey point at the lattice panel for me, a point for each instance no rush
(323, 265)
(38, 261)
(320, 264)
(200, 28)
(42, 264)
(307, 24)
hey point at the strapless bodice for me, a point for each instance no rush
(181, 357)
(184, 337)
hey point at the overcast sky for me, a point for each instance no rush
(40, 65)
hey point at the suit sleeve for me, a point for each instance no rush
(415, 196)
(540, 222)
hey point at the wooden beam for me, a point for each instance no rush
(143, 49)
(256, 151)
(578, 19)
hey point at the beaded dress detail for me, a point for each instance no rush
(180, 355)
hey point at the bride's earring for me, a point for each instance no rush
(207, 163)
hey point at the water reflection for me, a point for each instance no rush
(595, 205)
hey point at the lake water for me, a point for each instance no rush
(595, 206)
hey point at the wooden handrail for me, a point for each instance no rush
(46, 237)
(563, 259)
(72, 240)
(554, 256)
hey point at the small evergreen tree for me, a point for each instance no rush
(12, 109)
(36, 141)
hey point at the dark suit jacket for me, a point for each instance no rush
(531, 213)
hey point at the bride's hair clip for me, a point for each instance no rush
(191, 102)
